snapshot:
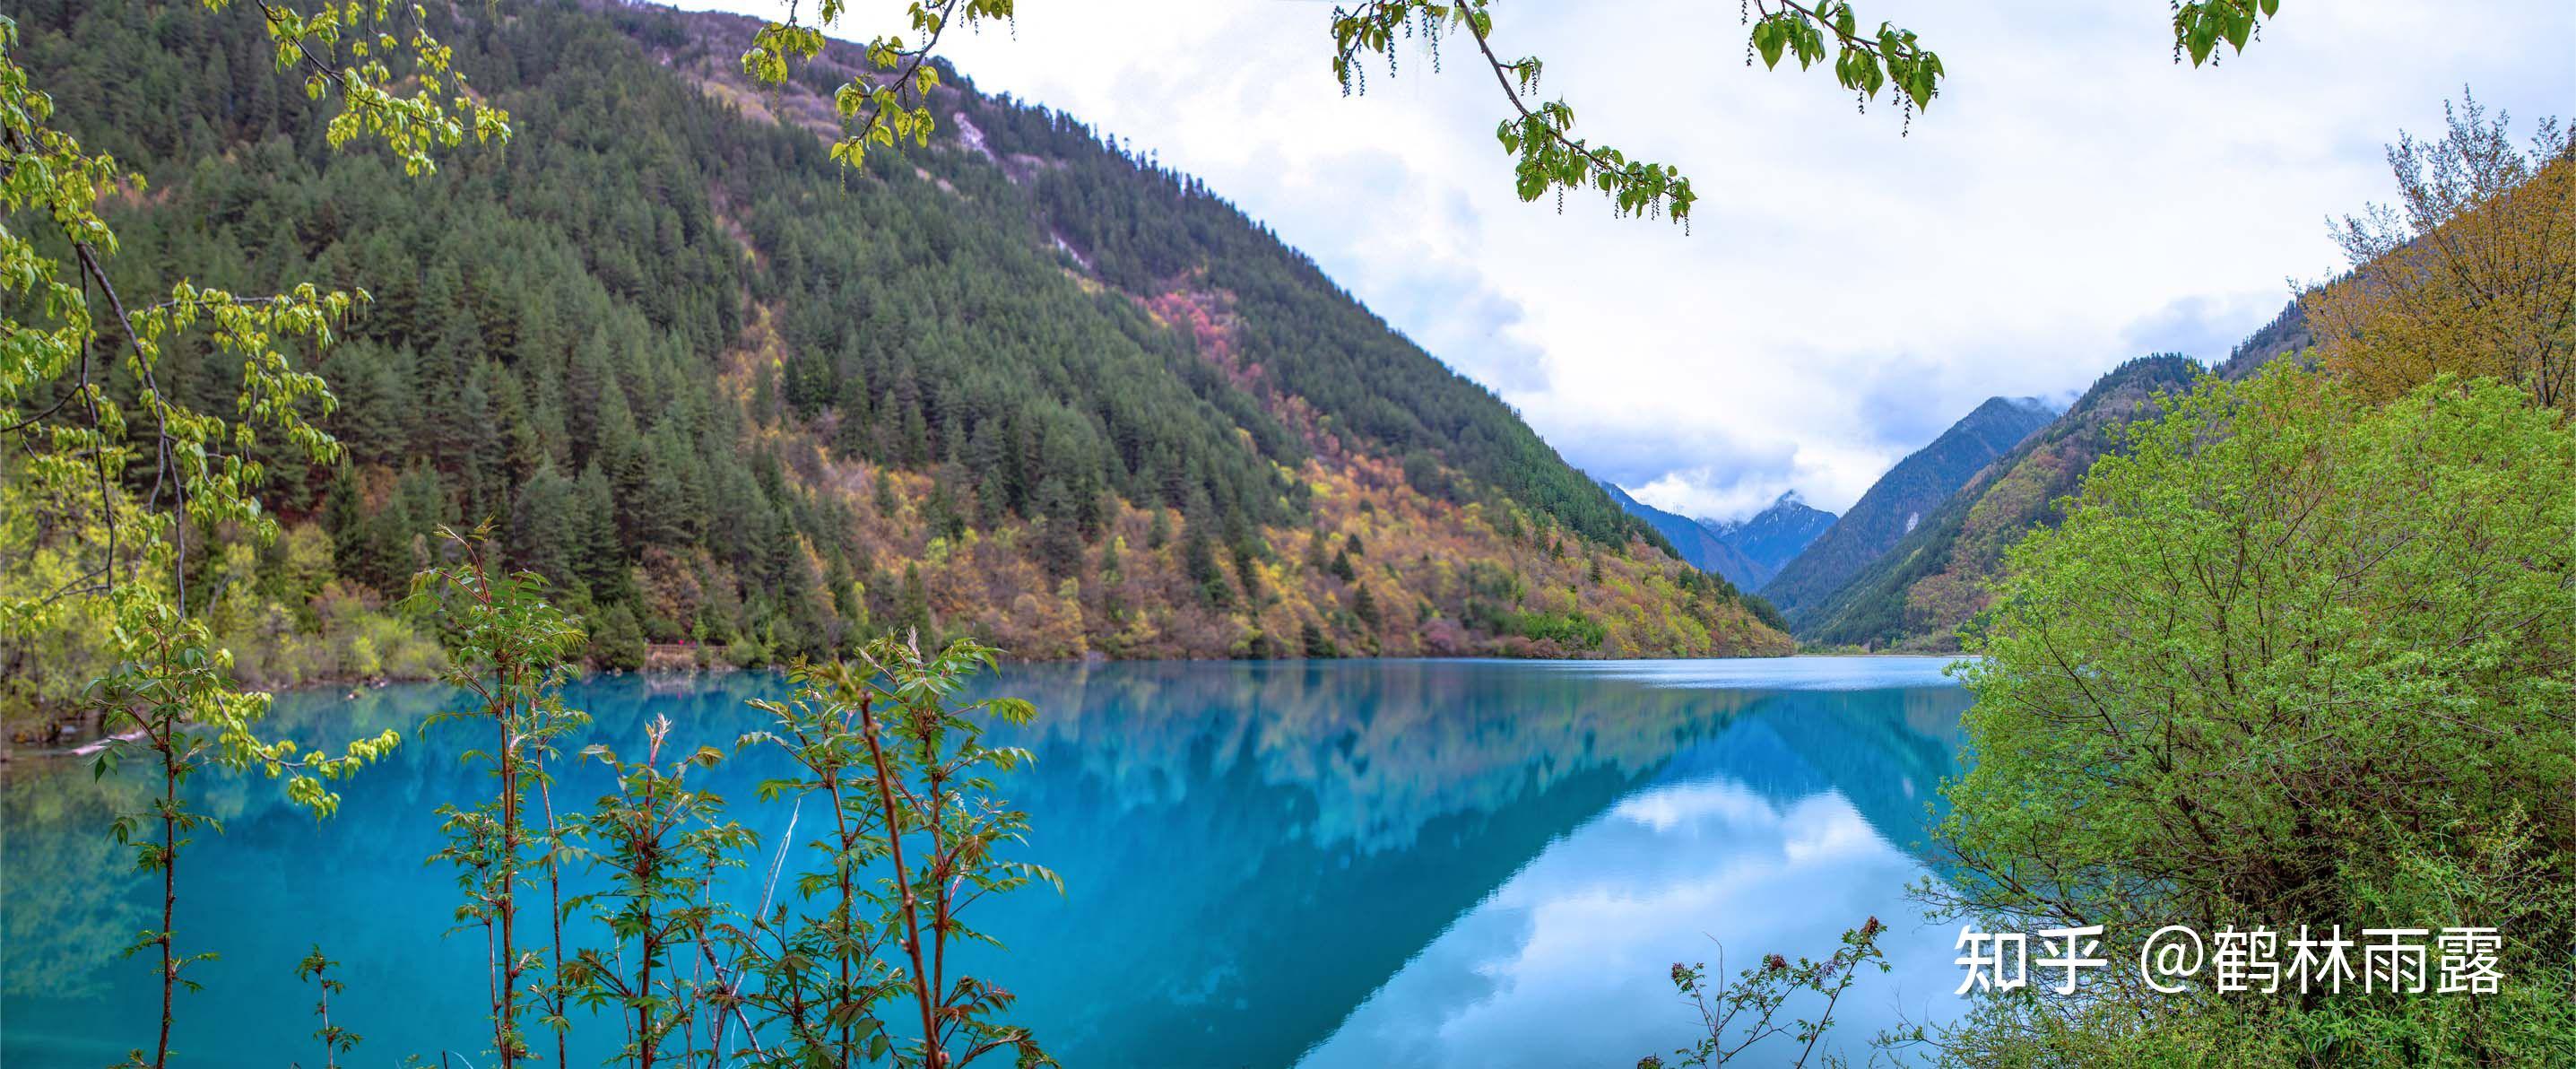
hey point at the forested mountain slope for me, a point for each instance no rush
(1897, 504)
(1773, 537)
(1918, 593)
(739, 401)
(1702, 547)
(2286, 333)
(1937, 579)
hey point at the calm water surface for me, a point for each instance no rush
(1355, 863)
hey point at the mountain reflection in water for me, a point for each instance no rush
(1355, 863)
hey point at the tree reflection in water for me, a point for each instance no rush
(1398, 862)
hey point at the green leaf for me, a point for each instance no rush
(2240, 28)
(1769, 40)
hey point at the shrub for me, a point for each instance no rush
(2291, 660)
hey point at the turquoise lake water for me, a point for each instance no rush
(1332, 863)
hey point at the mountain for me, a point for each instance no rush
(1936, 578)
(739, 403)
(1898, 502)
(1774, 536)
(1705, 549)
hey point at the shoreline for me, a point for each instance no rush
(91, 746)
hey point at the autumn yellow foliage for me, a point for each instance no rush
(2472, 272)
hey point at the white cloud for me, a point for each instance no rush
(2073, 200)
(1566, 963)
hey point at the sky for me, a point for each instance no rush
(1846, 291)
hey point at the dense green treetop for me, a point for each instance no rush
(2291, 659)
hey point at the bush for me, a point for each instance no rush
(617, 640)
(1571, 630)
(2291, 660)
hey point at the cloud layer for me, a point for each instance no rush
(2074, 199)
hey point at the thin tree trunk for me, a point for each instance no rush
(648, 873)
(554, 896)
(931, 1056)
(841, 870)
(505, 1013)
(169, 890)
(330, 1058)
(939, 858)
(645, 1040)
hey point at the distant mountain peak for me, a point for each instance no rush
(1702, 548)
(1917, 593)
(1776, 535)
(1897, 503)
(2039, 405)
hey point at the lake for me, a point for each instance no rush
(1327, 863)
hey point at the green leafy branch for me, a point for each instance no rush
(336, 1040)
(1863, 63)
(171, 695)
(909, 782)
(2200, 24)
(662, 842)
(1539, 134)
(202, 463)
(342, 48)
(887, 111)
(510, 651)
(1549, 158)
(172, 698)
